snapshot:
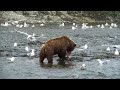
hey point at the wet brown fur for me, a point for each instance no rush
(60, 46)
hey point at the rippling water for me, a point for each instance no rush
(28, 68)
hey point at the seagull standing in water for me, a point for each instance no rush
(15, 44)
(116, 52)
(84, 47)
(83, 67)
(102, 62)
(102, 26)
(73, 27)
(98, 25)
(33, 25)
(73, 24)
(62, 25)
(42, 24)
(11, 59)
(25, 24)
(27, 49)
(108, 49)
(31, 37)
(32, 53)
(91, 26)
(106, 24)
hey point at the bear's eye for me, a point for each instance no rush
(74, 44)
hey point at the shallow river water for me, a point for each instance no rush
(24, 67)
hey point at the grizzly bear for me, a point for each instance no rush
(61, 46)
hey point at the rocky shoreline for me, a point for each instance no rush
(48, 17)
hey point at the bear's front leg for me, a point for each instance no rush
(50, 60)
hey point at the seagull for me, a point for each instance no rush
(91, 26)
(84, 47)
(116, 52)
(102, 62)
(110, 27)
(6, 24)
(11, 59)
(106, 24)
(73, 24)
(27, 49)
(115, 25)
(98, 25)
(15, 22)
(20, 26)
(15, 44)
(102, 26)
(30, 37)
(41, 24)
(17, 25)
(73, 28)
(33, 25)
(83, 67)
(112, 24)
(26, 25)
(76, 26)
(62, 25)
(32, 53)
(108, 49)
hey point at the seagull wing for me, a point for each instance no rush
(9, 58)
(22, 32)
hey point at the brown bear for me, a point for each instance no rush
(61, 46)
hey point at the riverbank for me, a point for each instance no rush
(55, 17)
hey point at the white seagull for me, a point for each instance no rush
(102, 26)
(86, 46)
(91, 26)
(110, 27)
(11, 59)
(98, 25)
(102, 62)
(83, 47)
(83, 67)
(115, 25)
(25, 24)
(73, 27)
(27, 49)
(6, 24)
(15, 44)
(76, 25)
(73, 24)
(108, 49)
(62, 25)
(31, 37)
(42, 24)
(33, 25)
(32, 53)
(106, 24)
(116, 52)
